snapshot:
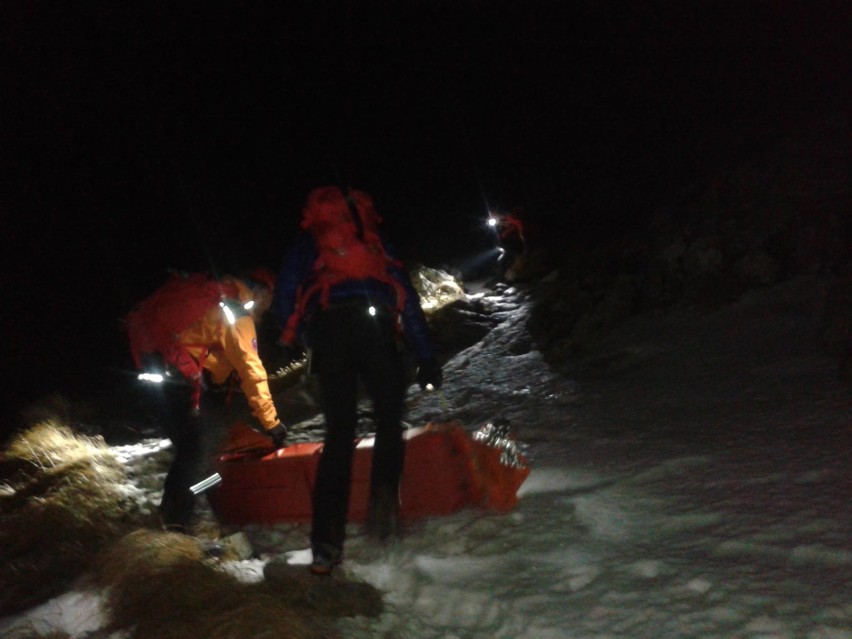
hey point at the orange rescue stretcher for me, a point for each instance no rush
(446, 470)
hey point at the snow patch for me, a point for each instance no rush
(74, 613)
(551, 480)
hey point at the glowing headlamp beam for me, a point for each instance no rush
(229, 314)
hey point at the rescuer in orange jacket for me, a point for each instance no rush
(195, 402)
(232, 348)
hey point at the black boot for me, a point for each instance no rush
(325, 558)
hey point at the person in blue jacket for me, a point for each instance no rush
(354, 324)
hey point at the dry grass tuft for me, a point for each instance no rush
(59, 506)
(62, 516)
(160, 587)
(50, 444)
(144, 554)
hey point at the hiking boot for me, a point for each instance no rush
(324, 561)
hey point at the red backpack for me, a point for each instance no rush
(345, 230)
(155, 324)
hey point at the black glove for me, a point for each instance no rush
(278, 435)
(428, 372)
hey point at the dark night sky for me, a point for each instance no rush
(142, 136)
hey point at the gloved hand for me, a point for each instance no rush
(278, 435)
(428, 372)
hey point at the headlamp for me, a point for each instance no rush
(229, 314)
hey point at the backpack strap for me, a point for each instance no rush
(189, 366)
(322, 286)
(349, 248)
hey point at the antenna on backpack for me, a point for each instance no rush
(346, 192)
(353, 211)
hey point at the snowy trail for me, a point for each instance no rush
(695, 484)
(700, 491)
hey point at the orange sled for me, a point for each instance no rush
(446, 470)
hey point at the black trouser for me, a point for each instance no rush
(349, 344)
(196, 437)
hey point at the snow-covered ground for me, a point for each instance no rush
(697, 482)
